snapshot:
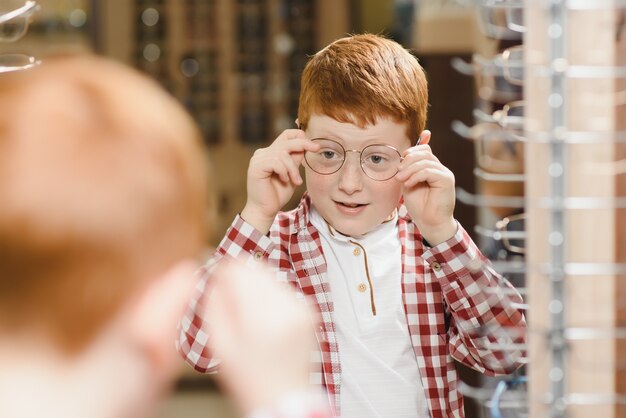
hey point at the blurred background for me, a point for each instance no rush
(236, 65)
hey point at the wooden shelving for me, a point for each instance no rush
(235, 65)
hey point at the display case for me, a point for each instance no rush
(235, 65)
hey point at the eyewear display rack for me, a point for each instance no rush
(235, 64)
(575, 198)
(573, 130)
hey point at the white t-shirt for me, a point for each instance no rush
(380, 377)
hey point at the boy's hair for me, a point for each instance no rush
(359, 78)
(102, 188)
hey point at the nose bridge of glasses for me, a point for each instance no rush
(345, 155)
(358, 162)
(351, 173)
(356, 151)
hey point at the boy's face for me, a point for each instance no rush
(348, 199)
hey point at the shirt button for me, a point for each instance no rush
(362, 287)
(258, 255)
(357, 251)
(436, 266)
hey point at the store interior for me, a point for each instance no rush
(526, 108)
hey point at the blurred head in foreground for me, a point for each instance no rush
(103, 208)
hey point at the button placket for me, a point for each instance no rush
(363, 287)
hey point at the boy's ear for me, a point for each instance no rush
(154, 317)
(424, 138)
(297, 123)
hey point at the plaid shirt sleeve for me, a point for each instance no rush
(486, 326)
(242, 241)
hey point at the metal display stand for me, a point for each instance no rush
(573, 68)
(575, 200)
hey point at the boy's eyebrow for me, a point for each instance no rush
(377, 141)
(331, 136)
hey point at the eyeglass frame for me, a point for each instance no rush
(485, 133)
(24, 12)
(495, 78)
(513, 123)
(29, 62)
(345, 153)
(501, 226)
(29, 7)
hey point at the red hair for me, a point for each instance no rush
(360, 78)
(103, 186)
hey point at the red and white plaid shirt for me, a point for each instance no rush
(457, 306)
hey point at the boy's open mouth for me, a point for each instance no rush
(350, 205)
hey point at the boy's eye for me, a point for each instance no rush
(375, 159)
(328, 154)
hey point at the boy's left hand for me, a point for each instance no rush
(428, 190)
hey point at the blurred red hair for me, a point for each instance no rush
(103, 185)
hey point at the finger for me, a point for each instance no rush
(415, 163)
(417, 150)
(311, 145)
(427, 166)
(292, 163)
(300, 145)
(424, 138)
(292, 134)
(416, 156)
(274, 166)
(434, 177)
(284, 170)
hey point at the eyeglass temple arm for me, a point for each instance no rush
(18, 12)
(462, 66)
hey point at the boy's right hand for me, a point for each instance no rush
(273, 175)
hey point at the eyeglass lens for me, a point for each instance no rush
(15, 22)
(13, 29)
(496, 154)
(379, 162)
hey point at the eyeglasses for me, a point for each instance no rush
(510, 117)
(498, 149)
(16, 62)
(14, 23)
(498, 79)
(378, 161)
(511, 231)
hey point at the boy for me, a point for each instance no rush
(401, 288)
(103, 208)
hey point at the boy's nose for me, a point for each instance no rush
(351, 175)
